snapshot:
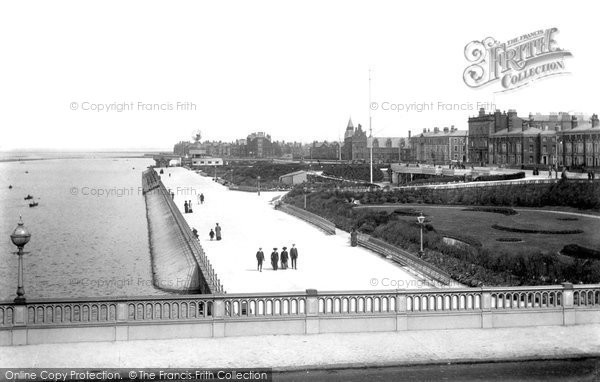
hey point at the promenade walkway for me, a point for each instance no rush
(326, 262)
(318, 351)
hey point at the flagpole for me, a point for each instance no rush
(370, 132)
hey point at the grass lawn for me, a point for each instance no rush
(478, 225)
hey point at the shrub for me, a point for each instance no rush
(488, 178)
(354, 172)
(575, 250)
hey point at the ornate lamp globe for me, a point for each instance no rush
(20, 235)
(421, 219)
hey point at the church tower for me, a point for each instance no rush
(349, 129)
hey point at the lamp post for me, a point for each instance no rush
(305, 197)
(558, 142)
(421, 221)
(258, 178)
(20, 237)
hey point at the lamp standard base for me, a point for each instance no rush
(20, 300)
(420, 253)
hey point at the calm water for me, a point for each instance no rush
(83, 244)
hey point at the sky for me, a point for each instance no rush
(297, 70)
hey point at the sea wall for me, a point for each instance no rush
(178, 261)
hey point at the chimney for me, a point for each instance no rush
(446, 130)
(452, 128)
(424, 130)
(573, 122)
(595, 121)
(557, 127)
(436, 130)
(408, 134)
(481, 112)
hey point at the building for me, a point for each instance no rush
(199, 157)
(539, 140)
(357, 147)
(386, 149)
(182, 148)
(325, 150)
(258, 145)
(355, 144)
(440, 146)
(296, 177)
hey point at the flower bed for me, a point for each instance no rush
(543, 231)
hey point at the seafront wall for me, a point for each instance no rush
(309, 312)
(178, 261)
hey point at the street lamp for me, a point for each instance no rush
(20, 237)
(258, 178)
(558, 142)
(305, 197)
(421, 221)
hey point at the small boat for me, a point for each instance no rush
(33, 204)
(10, 186)
(28, 197)
(26, 172)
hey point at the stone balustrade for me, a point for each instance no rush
(309, 312)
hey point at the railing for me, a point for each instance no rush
(208, 272)
(405, 258)
(584, 296)
(274, 305)
(309, 217)
(263, 306)
(358, 303)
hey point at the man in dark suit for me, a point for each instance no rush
(294, 255)
(260, 257)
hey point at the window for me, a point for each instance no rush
(530, 148)
(455, 148)
(530, 159)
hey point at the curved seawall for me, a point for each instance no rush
(178, 261)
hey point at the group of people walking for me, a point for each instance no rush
(276, 258)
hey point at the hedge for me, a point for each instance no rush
(488, 178)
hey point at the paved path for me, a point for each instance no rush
(325, 262)
(318, 351)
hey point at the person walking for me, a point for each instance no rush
(284, 258)
(185, 206)
(274, 259)
(201, 198)
(211, 234)
(294, 255)
(198, 199)
(218, 231)
(190, 206)
(195, 232)
(260, 257)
